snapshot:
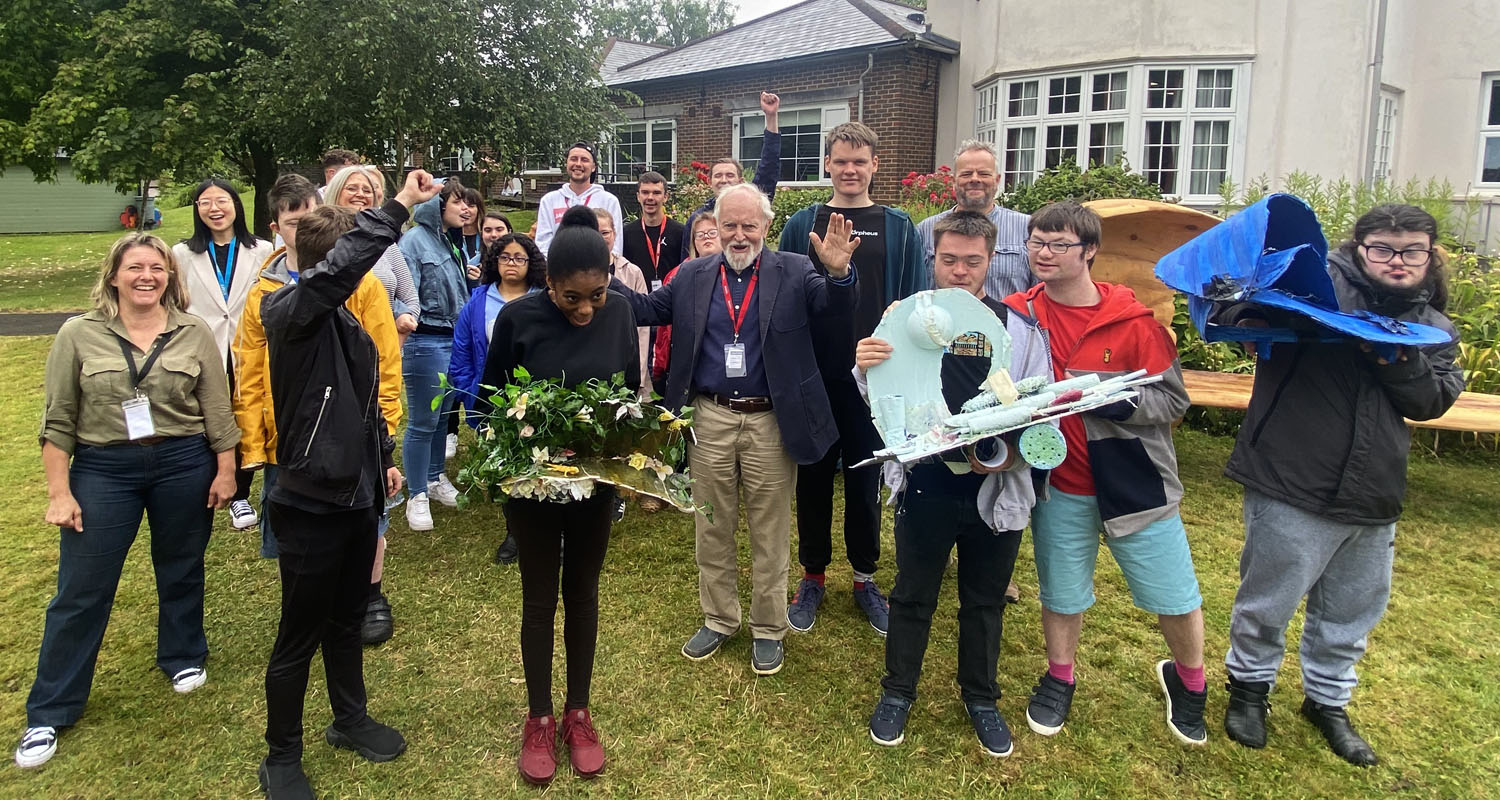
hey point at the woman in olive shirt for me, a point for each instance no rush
(137, 398)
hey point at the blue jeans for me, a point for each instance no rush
(423, 357)
(114, 486)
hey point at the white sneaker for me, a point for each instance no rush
(418, 515)
(450, 446)
(443, 491)
(189, 679)
(37, 746)
(242, 516)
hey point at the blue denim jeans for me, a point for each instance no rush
(423, 357)
(267, 536)
(114, 486)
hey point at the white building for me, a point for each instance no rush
(1194, 92)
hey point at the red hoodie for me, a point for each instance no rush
(1118, 335)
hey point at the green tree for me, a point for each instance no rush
(668, 22)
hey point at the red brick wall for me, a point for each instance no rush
(900, 105)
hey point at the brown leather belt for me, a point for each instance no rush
(746, 405)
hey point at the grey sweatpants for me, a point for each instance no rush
(1343, 570)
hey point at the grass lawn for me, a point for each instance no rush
(451, 677)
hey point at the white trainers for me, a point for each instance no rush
(242, 516)
(418, 515)
(450, 446)
(443, 491)
(37, 746)
(189, 679)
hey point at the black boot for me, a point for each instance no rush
(506, 554)
(1245, 719)
(378, 624)
(1334, 723)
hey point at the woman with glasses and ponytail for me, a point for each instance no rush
(219, 263)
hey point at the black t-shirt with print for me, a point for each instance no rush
(835, 334)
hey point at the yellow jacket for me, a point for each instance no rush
(252, 390)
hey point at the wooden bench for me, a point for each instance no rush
(1474, 412)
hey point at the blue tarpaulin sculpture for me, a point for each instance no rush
(1273, 254)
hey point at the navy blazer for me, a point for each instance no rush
(790, 292)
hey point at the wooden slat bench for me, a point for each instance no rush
(1474, 412)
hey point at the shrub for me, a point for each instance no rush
(1067, 182)
(923, 195)
(1474, 307)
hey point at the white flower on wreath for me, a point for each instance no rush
(518, 411)
(633, 409)
(539, 455)
(585, 414)
(526, 432)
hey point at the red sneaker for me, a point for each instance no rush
(582, 740)
(538, 761)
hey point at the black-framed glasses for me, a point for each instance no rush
(1411, 257)
(1057, 248)
(508, 259)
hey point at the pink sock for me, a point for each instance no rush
(1192, 677)
(1064, 672)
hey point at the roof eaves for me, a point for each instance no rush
(891, 26)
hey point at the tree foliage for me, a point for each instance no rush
(668, 22)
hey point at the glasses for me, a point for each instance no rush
(1412, 257)
(217, 202)
(512, 259)
(704, 236)
(1057, 248)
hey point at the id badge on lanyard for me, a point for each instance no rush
(137, 409)
(734, 360)
(734, 352)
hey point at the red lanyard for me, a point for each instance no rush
(568, 201)
(744, 303)
(655, 252)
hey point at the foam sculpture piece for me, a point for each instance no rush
(906, 390)
(1273, 254)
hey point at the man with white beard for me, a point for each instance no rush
(976, 181)
(742, 356)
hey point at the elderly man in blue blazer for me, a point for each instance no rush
(742, 356)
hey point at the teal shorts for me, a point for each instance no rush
(1065, 531)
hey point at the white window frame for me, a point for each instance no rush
(613, 166)
(1387, 132)
(1487, 131)
(832, 114)
(1134, 115)
(987, 113)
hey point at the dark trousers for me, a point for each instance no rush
(168, 483)
(928, 525)
(242, 477)
(583, 530)
(325, 584)
(857, 440)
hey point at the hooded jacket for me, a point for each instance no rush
(253, 406)
(555, 203)
(437, 271)
(1325, 430)
(1130, 451)
(905, 265)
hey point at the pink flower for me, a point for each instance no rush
(933, 197)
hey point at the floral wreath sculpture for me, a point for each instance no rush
(544, 441)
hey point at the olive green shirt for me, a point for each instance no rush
(87, 380)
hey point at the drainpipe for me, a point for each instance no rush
(869, 65)
(1373, 137)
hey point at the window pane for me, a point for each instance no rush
(1109, 92)
(1490, 173)
(1106, 142)
(1163, 145)
(1022, 102)
(1493, 117)
(1064, 94)
(1210, 156)
(663, 134)
(1062, 144)
(752, 129)
(1164, 88)
(629, 149)
(1215, 88)
(1020, 156)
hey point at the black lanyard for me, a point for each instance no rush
(125, 349)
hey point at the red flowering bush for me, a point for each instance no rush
(925, 195)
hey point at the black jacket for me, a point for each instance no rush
(1324, 431)
(324, 372)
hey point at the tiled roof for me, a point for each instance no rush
(619, 52)
(810, 28)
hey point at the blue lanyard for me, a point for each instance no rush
(228, 273)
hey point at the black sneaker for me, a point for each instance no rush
(877, 609)
(803, 611)
(619, 512)
(703, 644)
(1050, 702)
(372, 740)
(990, 727)
(1245, 718)
(508, 550)
(888, 722)
(766, 656)
(378, 625)
(1184, 707)
(1333, 722)
(284, 782)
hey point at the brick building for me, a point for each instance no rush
(831, 61)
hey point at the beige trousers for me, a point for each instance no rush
(737, 451)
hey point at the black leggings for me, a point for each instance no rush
(242, 477)
(583, 528)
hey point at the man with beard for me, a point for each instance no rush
(1322, 457)
(976, 174)
(583, 169)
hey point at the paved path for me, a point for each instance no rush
(33, 324)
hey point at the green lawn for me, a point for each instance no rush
(451, 677)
